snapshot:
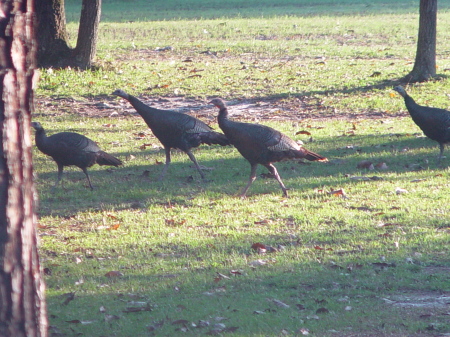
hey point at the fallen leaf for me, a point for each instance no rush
(137, 309)
(381, 166)
(175, 222)
(279, 303)
(399, 190)
(303, 331)
(262, 222)
(113, 227)
(222, 276)
(144, 146)
(338, 193)
(271, 249)
(258, 263)
(113, 273)
(180, 321)
(387, 224)
(425, 316)
(203, 323)
(366, 164)
(383, 264)
(303, 132)
(258, 312)
(258, 246)
(111, 317)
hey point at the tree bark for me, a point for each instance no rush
(54, 49)
(425, 63)
(22, 303)
(88, 32)
(53, 39)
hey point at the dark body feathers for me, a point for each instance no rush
(434, 122)
(175, 130)
(261, 144)
(72, 149)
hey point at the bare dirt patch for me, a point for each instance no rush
(420, 300)
(279, 109)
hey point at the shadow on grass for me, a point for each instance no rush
(337, 289)
(135, 184)
(380, 85)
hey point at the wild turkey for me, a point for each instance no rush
(434, 122)
(261, 144)
(70, 148)
(175, 130)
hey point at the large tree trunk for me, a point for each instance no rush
(53, 40)
(54, 49)
(425, 63)
(88, 32)
(22, 303)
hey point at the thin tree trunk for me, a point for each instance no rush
(425, 63)
(88, 32)
(22, 303)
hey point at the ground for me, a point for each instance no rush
(281, 109)
(423, 304)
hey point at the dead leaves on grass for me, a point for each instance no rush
(369, 165)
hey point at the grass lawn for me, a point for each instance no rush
(356, 250)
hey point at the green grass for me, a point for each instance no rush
(344, 63)
(170, 239)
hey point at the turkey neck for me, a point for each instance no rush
(40, 137)
(410, 103)
(144, 110)
(223, 118)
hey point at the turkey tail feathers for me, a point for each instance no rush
(214, 138)
(104, 158)
(309, 155)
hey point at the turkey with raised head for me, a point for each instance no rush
(175, 130)
(261, 144)
(72, 149)
(434, 122)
